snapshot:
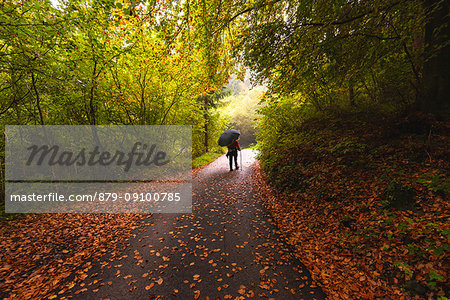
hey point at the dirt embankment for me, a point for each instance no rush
(365, 204)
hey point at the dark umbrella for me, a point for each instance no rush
(228, 137)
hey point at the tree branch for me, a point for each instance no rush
(337, 22)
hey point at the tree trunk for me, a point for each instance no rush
(205, 99)
(351, 93)
(436, 87)
(38, 98)
(92, 118)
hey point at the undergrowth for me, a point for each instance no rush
(371, 185)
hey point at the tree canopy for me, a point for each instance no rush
(110, 62)
(362, 51)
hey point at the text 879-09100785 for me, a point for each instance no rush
(103, 197)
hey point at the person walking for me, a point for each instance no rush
(232, 152)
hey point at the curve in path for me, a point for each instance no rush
(226, 249)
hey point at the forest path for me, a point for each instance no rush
(226, 249)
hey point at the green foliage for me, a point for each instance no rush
(439, 250)
(321, 58)
(348, 146)
(278, 128)
(205, 159)
(434, 277)
(240, 108)
(337, 51)
(435, 182)
(404, 267)
(111, 62)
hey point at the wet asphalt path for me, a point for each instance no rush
(226, 249)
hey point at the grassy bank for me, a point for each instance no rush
(363, 197)
(205, 159)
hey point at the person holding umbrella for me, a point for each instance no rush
(229, 138)
(232, 152)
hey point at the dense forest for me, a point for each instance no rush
(348, 107)
(162, 62)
